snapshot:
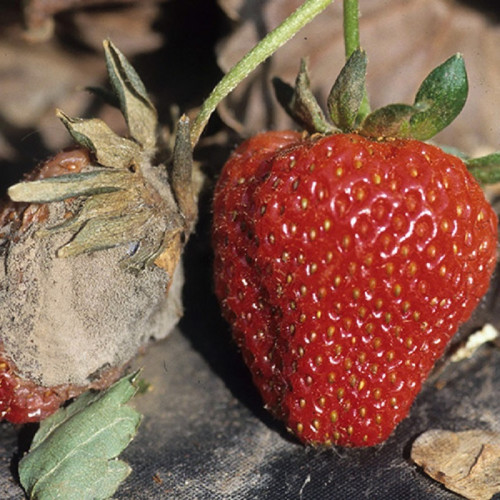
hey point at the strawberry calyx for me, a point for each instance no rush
(438, 101)
(127, 196)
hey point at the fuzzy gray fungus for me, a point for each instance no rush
(64, 320)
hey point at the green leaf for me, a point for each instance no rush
(390, 121)
(348, 91)
(73, 454)
(440, 98)
(138, 110)
(485, 169)
(301, 104)
(110, 149)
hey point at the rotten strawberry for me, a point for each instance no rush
(90, 245)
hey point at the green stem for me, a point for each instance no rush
(264, 49)
(352, 42)
(351, 27)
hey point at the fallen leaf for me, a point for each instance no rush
(73, 454)
(467, 462)
(131, 27)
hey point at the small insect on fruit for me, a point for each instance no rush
(346, 260)
(90, 249)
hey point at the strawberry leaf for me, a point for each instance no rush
(390, 121)
(348, 91)
(73, 454)
(440, 98)
(485, 169)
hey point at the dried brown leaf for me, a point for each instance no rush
(404, 40)
(132, 28)
(39, 14)
(34, 78)
(467, 462)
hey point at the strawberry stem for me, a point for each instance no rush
(264, 49)
(352, 43)
(351, 27)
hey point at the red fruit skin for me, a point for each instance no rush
(22, 401)
(345, 266)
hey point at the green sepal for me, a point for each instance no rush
(299, 102)
(485, 169)
(390, 121)
(110, 149)
(69, 186)
(347, 93)
(139, 112)
(440, 98)
(451, 150)
(73, 454)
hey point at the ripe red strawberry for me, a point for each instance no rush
(345, 265)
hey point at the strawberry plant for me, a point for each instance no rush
(346, 256)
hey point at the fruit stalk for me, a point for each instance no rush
(351, 27)
(264, 49)
(352, 43)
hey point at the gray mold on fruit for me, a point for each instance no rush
(64, 320)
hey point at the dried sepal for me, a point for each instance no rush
(70, 185)
(182, 170)
(105, 232)
(110, 149)
(112, 204)
(138, 110)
